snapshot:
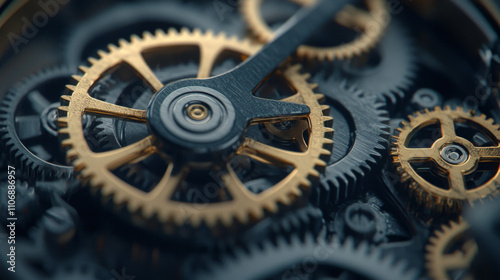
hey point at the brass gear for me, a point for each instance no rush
(451, 248)
(373, 25)
(431, 195)
(245, 206)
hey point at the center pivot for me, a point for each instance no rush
(454, 154)
(195, 119)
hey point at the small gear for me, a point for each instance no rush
(450, 252)
(96, 168)
(28, 125)
(366, 220)
(390, 69)
(448, 157)
(372, 25)
(361, 139)
(306, 258)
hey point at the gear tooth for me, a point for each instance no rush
(64, 130)
(63, 108)
(71, 155)
(122, 43)
(160, 33)
(112, 48)
(66, 97)
(92, 60)
(147, 35)
(328, 121)
(185, 31)
(172, 32)
(72, 88)
(77, 78)
(325, 109)
(66, 143)
(222, 35)
(101, 53)
(84, 69)
(135, 39)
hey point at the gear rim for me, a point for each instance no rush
(135, 201)
(361, 45)
(425, 192)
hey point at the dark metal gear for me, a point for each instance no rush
(390, 69)
(28, 125)
(369, 219)
(125, 19)
(305, 259)
(361, 139)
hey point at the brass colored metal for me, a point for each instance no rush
(197, 112)
(244, 206)
(371, 24)
(433, 196)
(451, 249)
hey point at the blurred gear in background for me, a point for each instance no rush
(131, 150)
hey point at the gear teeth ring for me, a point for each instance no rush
(373, 24)
(142, 205)
(427, 194)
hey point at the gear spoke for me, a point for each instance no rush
(38, 101)
(447, 126)
(488, 153)
(135, 152)
(169, 183)
(234, 185)
(209, 53)
(143, 70)
(30, 127)
(417, 154)
(457, 182)
(95, 106)
(268, 154)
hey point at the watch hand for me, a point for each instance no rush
(287, 39)
(230, 94)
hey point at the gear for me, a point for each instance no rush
(125, 19)
(28, 127)
(367, 220)
(390, 69)
(361, 139)
(448, 157)
(372, 25)
(452, 249)
(95, 168)
(305, 258)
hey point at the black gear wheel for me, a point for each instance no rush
(307, 258)
(394, 66)
(361, 140)
(125, 19)
(369, 219)
(28, 127)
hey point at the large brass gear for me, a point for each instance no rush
(431, 195)
(372, 25)
(245, 206)
(450, 249)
